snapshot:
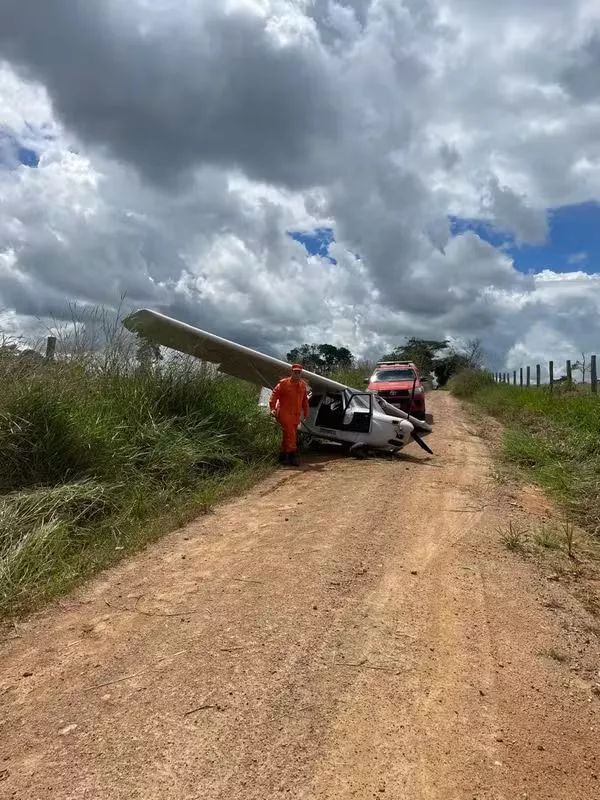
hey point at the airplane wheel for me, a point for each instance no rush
(305, 441)
(358, 451)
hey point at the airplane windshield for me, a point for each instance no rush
(358, 402)
(389, 375)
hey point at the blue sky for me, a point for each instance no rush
(28, 157)
(316, 242)
(15, 151)
(573, 243)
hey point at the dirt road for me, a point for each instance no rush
(351, 630)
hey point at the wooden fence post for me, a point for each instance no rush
(521, 377)
(528, 376)
(50, 347)
(538, 374)
(594, 375)
(551, 373)
(569, 372)
(514, 377)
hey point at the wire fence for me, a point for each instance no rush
(583, 373)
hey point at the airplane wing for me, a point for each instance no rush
(233, 359)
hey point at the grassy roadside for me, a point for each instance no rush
(552, 438)
(98, 459)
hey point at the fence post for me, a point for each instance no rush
(538, 374)
(569, 372)
(50, 347)
(528, 376)
(514, 377)
(521, 376)
(551, 374)
(594, 375)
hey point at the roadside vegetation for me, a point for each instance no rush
(552, 436)
(104, 450)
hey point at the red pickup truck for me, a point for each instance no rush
(399, 383)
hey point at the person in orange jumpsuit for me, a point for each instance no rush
(288, 404)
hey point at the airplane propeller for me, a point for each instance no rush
(413, 434)
(420, 442)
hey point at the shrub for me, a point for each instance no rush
(467, 383)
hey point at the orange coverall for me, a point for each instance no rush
(289, 399)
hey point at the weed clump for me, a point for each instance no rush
(513, 537)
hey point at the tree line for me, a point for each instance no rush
(431, 356)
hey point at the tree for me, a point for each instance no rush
(421, 352)
(471, 356)
(321, 357)
(308, 355)
(453, 360)
(439, 357)
(336, 357)
(448, 366)
(474, 355)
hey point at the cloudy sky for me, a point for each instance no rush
(282, 171)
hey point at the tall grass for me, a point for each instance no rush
(553, 436)
(98, 456)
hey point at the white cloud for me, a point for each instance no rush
(179, 142)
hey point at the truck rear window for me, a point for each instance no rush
(389, 375)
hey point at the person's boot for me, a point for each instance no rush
(283, 457)
(294, 459)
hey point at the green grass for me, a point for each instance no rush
(100, 458)
(548, 539)
(553, 437)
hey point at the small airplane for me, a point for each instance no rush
(359, 421)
